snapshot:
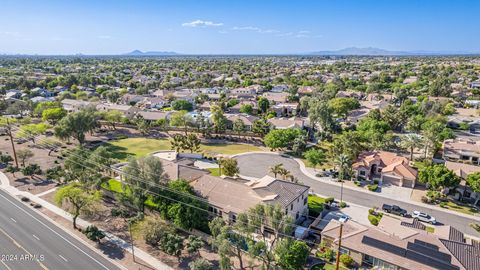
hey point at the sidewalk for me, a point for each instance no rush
(5, 185)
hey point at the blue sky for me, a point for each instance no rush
(236, 26)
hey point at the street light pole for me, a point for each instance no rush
(341, 191)
(337, 261)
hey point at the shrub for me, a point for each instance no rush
(93, 233)
(434, 195)
(373, 220)
(372, 211)
(327, 255)
(375, 182)
(343, 204)
(373, 187)
(425, 199)
(329, 200)
(200, 264)
(347, 261)
(357, 183)
(443, 204)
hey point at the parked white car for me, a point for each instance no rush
(423, 217)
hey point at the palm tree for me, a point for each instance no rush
(343, 163)
(276, 169)
(410, 142)
(284, 173)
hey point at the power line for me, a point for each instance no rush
(154, 184)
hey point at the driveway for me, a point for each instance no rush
(258, 164)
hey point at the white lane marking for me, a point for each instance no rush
(66, 240)
(13, 220)
(36, 237)
(63, 258)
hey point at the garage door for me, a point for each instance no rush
(389, 180)
(407, 183)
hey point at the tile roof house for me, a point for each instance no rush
(229, 196)
(284, 123)
(463, 192)
(246, 119)
(73, 105)
(464, 150)
(392, 245)
(388, 167)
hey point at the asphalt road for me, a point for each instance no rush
(257, 165)
(29, 241)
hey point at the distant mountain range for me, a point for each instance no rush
(151, 53)
(370, 51)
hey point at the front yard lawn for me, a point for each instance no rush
(139, 147)
(465, 209)
(214, 171)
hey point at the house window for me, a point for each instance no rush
(234, 218)
(297, 215)
(305, 201)
(291, 206)
(362, 173)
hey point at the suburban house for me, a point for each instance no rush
(475, 84)
(73, 105)
(463, 192)
(127, 110)
(462, 150)
(230, 197)
(285, 109)
(42, 92)
(153, 115)
(397, 244)
(236, 108)
(274, 97)
(284, 123)
(387, 167)
(305, 90)
(467, 117)
(246, 119)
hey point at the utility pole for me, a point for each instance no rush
(341, 191)
(9, 132)
(131, 239)
(337, 262)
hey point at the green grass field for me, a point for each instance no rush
(140, 147)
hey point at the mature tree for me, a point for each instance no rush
(415, 123)
(186, 210)
(76, 125)
(343, 162)
(219, 120)
(374, 133)
(282, 138)
(320, 113)
(315, 157)
(246, 108)
(260, 127)
(24, 154)
(285, 173)
(87, 166)
(43, 106)
(239, 126)
(113, 117)
(434, 132)
(177, 142)
(192, 143)
(348, 143)
(395, 118)
(182, 105)
(180, 119)
(291, 254)
(53, 115)
(142, 177)
(78, 199)
(227, 243)
(276, 169)
(263, 216)
(438, 176)
(263, 104)
(172, 244)
(143, 125)
(473, 180)
(341, 105)
(229, 166)
(410, 142)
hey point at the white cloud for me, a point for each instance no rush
(200, 23)
(255, 29)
